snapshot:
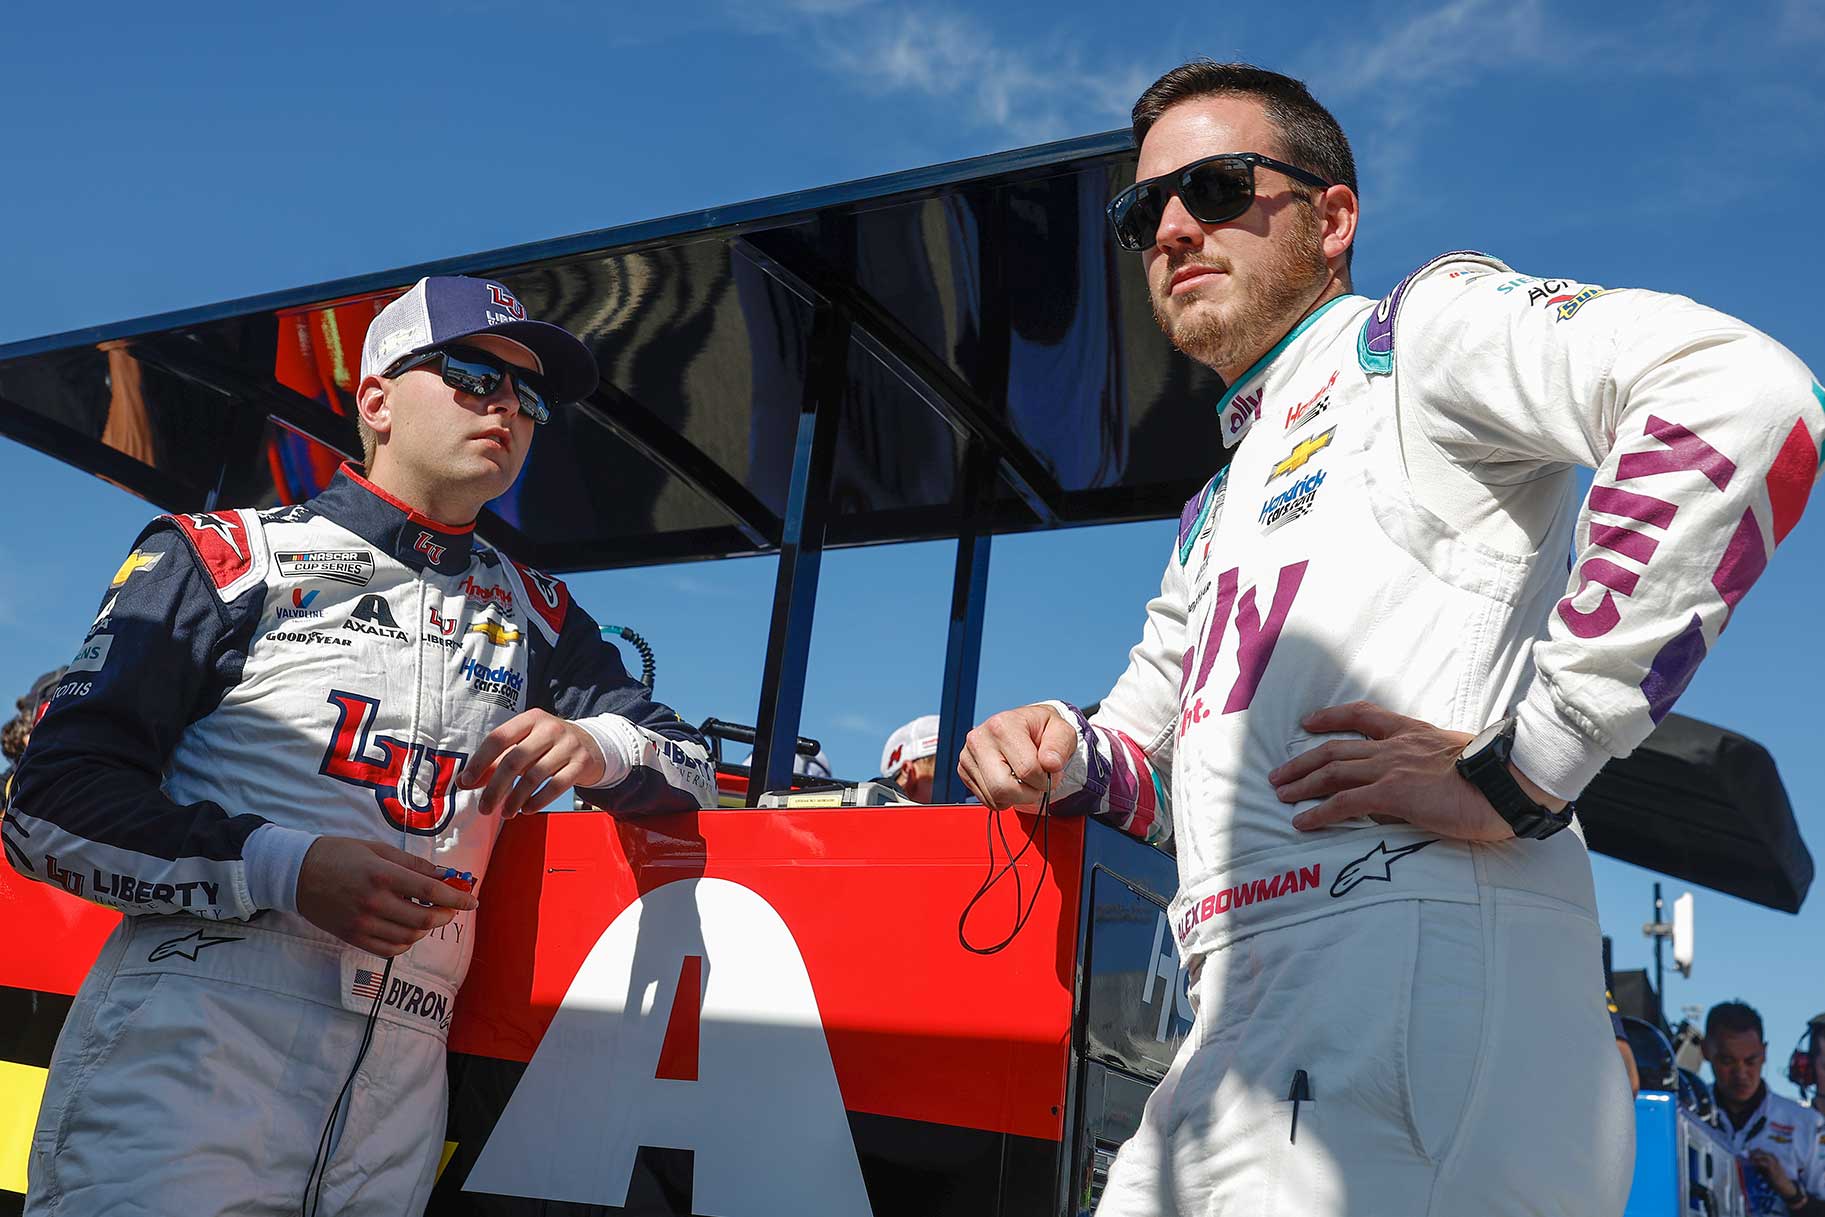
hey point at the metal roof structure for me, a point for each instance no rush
(956, 351)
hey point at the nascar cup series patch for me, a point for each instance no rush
(353, 566)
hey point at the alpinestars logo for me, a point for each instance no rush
(187, 946)
(1374, 865)
(372, 616)
(544, 585)
(222, 529)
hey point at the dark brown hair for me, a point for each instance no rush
(1309, 136)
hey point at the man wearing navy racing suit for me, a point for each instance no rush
(283, 728)
(1367, 691)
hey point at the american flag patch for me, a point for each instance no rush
(366, 984)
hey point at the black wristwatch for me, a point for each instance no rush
(1484, 764)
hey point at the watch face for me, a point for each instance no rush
(1489, 736)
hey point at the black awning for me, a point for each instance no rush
(1706, 805)
(985, 303)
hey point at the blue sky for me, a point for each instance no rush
(166, 156)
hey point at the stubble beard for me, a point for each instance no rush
(1240, 331)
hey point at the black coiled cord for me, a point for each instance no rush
(647, 667)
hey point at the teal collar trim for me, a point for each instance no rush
(1260, 364)
(1239, 409)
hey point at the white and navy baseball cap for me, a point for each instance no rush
(447, 308)
(916, 739)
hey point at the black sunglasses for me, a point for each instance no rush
(468, 370)
(1214, 190)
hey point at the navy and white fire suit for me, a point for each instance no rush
(1395, 527)
(254, 680)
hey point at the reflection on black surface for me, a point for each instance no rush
(1009, 281)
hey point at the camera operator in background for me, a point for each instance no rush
(1778, 1135)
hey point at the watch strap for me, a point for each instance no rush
(1487, 770)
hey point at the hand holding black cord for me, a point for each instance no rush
(1024, 908)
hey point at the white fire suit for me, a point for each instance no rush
(1793, 1134)
(1395, 526)
(255, 680)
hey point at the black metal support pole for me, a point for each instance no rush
(969, 596)
(801, 552)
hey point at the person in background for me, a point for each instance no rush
(1817, 1029)
(910, 757)
(18, 731)
(1813, 1071)
(1776, 1134)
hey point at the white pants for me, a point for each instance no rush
(1459, 1057)
(177, 1092)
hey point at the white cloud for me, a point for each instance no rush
(1440, 47)
(857, 724)
(1396, 88)
(823, 8)
(1048, 88)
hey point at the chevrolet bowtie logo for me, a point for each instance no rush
(136, 561)
(1302, 452)
(500, 635)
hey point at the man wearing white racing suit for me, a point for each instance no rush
(282, 730)
(1778, 1138)
(1395, 960)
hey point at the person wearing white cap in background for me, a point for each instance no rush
(910, 757)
